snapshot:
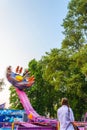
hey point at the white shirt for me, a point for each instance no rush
(65, 116)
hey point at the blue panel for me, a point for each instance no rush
(8, 115)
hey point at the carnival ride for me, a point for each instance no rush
(21, 82)
(2, 106)
(34, 120)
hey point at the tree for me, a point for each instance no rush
(2, 83)
(55, 65)
(75, 25)
(14, 99)
(41, 94)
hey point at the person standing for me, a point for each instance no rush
(65, 115)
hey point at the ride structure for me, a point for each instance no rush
(21, 82)
(2, 106)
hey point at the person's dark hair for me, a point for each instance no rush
(64, 101)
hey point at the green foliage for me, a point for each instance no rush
(75, 25)
(14, 100)
(41, 94)
(2, 83)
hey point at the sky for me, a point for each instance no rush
(28, 29)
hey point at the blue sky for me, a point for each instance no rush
(28, 29)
